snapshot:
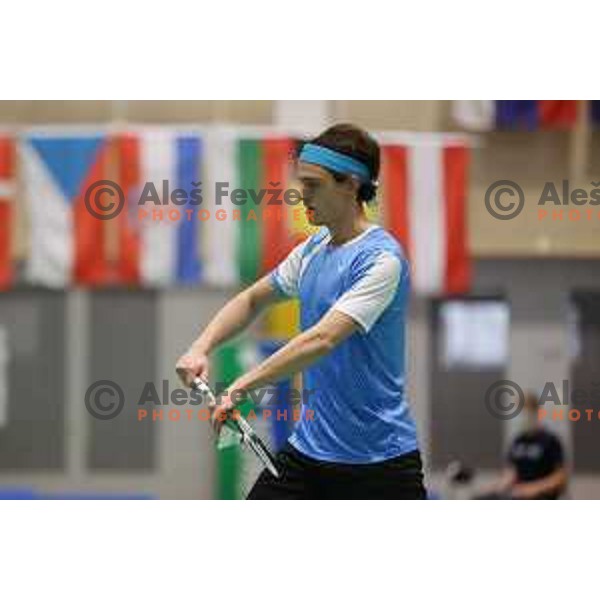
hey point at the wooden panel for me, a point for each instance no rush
(412, 115)
(30, 112)
(169, 111)
(67, 111)
(531, 160)
(249, 112)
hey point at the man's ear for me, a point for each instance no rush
(352, 185)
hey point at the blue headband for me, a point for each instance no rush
(336, 161)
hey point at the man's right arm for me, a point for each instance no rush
(235, 316)
(239, 312)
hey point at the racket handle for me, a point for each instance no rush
(240, 424)
(243, 427)
(200, 385)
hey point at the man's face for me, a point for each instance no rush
(531, 413)
(326, 200)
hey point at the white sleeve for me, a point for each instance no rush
(366, 300)
(286, 275)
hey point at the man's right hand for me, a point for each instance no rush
(192, 364)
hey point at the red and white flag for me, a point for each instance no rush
(156, 249)
(67, 244)
(7, 217)
(424, 206)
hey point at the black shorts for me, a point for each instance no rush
(304, 478)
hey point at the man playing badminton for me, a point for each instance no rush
(352, 279)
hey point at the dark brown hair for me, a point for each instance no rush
(355, 142)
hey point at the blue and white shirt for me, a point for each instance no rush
(357, 392)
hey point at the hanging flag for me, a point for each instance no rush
(298, 224)
(272, 419)
(528, 115)
(245, 237)
(595, 111)
(227, 368)
(160, 175)
(474, 115)
(249, 160)
(557, 114)
(128, 226)
(276, 239)
(7, 217)
(220, 231)
(424, 206)
(282, 320)
(232, 360)
(516, 114)
(265, 235)
(67, 240)
(280, 412)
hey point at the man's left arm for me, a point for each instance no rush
(300, 352)
(553, 483)
(357, 309)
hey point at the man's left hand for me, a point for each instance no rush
(226, 403)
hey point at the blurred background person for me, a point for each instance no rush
(535, 469)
